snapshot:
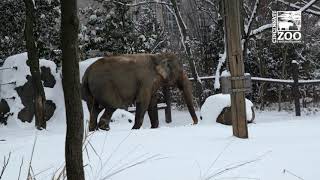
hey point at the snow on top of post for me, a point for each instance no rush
(225, 73)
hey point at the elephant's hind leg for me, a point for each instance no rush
(105, 119)
(153, 112)
(142, 103)
(94, 110)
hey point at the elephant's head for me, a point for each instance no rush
(169, 67)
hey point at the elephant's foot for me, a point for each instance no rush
(136, 126)
(92, 127)
(103, 125)
(154, 127)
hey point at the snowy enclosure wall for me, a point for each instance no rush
(19, 93)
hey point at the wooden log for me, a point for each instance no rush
(232, 24)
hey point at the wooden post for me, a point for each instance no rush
(167, 98)
(295, 87)
(232, 25)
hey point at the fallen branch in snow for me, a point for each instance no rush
(30, 170)
(292, 174)
(148, 159)
(20, 169)
(123, 158)
(232, 167)
(219, 155)
(5, 164)
(2, 140)
(62, 175)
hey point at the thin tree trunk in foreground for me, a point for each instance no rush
(33, 63)
(71, 89)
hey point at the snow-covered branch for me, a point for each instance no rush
(210, 2)
(260, 29)
(304, 8)
(308, 5)
(269, 26)
(140, 3)
(253, 15)
(313, 6)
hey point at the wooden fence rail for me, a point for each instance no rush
(294, 82)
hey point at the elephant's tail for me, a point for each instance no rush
(85, 91)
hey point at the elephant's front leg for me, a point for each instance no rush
(142, 103)
(153, 112)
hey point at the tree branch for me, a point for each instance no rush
(140, 3)
(304, 8)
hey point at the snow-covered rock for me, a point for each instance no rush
(17, 73)
(214, 105)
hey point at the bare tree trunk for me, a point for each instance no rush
(71, 89)
(283, 74)
(33, 63)
(186, 44)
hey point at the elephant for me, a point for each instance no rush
(117, 81)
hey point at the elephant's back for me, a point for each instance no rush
(114, 80)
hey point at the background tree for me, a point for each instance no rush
(46, 29)
(71, 89)
(114, 28)
(33, 63)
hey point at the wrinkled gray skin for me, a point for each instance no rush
(118, 81)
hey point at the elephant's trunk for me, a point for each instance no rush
(185, 86)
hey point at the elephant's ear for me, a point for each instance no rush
(161, 65)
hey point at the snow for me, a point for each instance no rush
(214, 105)
(179, 151)
(279, 143)
(222, 60)
(225, 73)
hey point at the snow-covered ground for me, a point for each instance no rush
(280, 147)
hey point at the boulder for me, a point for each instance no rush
(225, 116)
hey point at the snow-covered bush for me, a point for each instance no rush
(12, 20)
(113, 28)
